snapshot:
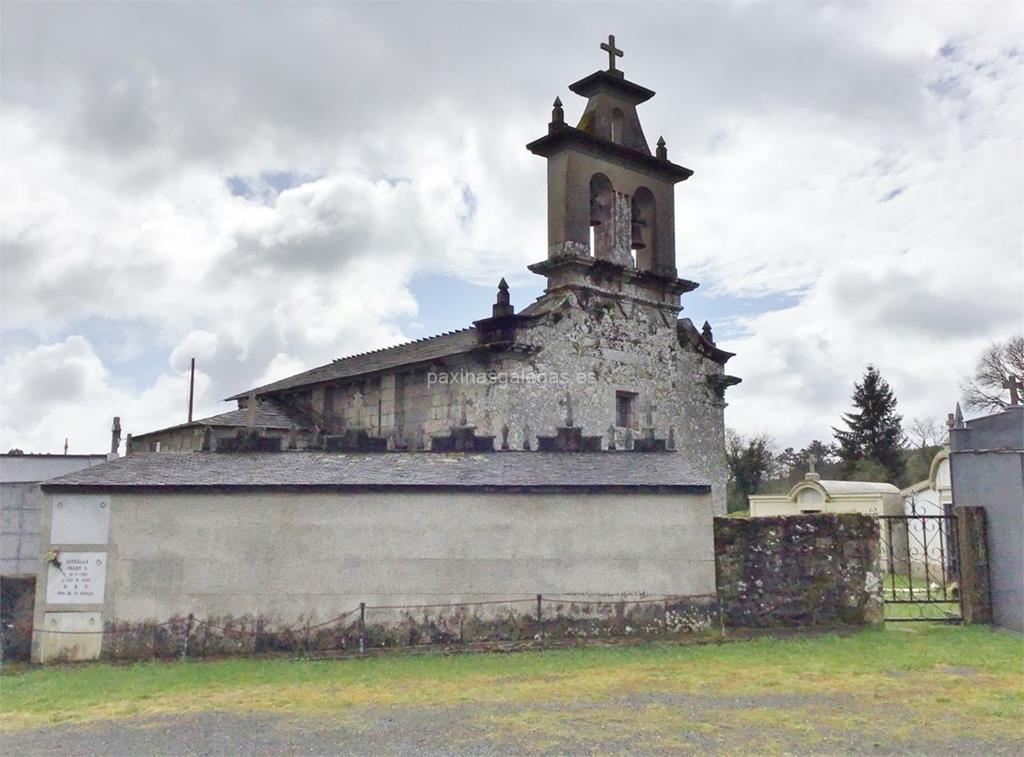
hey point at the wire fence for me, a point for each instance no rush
(536, 620)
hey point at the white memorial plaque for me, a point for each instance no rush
(79, 579)
(80, 519)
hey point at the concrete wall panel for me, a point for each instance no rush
(297, 555)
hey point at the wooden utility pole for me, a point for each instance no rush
(191, 388)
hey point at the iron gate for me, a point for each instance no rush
(922, 569)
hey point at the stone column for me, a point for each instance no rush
(622, 230)
(972, 549)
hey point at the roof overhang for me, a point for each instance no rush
(362, 488)
(568, 137)
(589, 265)
(615, 82)
(686, 330)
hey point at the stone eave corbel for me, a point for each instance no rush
(719, 382)
(688, 332)
(500, 332)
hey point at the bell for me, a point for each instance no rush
(637, 242)
(596, 211)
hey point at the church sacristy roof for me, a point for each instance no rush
(269, 415)
(515, 471)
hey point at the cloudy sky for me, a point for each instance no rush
(270, 186)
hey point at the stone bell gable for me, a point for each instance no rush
(609, 200)
(601, 361)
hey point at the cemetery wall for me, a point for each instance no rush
(987, 468)
(798, 570)
(290, 559)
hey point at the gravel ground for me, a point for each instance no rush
(477, 730)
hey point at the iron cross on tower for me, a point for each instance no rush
(612, 51)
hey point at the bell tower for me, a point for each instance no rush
(610, 201)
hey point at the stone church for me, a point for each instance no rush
(602, 355)
(574, 446)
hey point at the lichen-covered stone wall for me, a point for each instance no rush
(569, 363)
(801, 570)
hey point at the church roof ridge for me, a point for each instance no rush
(418, 340)
(413, 351)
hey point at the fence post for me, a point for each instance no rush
(972, 549)
(540, 623)
(362, 627)
(188, 634)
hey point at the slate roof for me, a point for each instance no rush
(269, 414)
(422, 350)
(385, 470)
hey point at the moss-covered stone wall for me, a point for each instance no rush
(803, 570)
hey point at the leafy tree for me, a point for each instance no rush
(874, 430)
(750, 460)
(824, 455)
(1000, 364)
(868, 470)
(795, 464)
(918, 465)
(788, 461)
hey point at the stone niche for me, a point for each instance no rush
(71, 636)
(80, 519)
(76, 578)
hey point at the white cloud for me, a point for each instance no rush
(62, 391)
(863, 159)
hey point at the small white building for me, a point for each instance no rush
(813, 495)
(929, 539)
(934, 495)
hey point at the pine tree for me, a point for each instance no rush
(875, 432)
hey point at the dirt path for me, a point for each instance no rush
(655, 724)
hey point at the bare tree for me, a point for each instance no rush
(998, 376)
(925, 432)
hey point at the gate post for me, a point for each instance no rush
(972, 549)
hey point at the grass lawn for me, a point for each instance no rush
(877, 684)
(916, 590)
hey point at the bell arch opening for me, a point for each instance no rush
(601, 199)
(642, 232)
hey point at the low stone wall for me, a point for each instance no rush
(800, 570)
(566, 619)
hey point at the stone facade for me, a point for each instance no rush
(801, 570)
